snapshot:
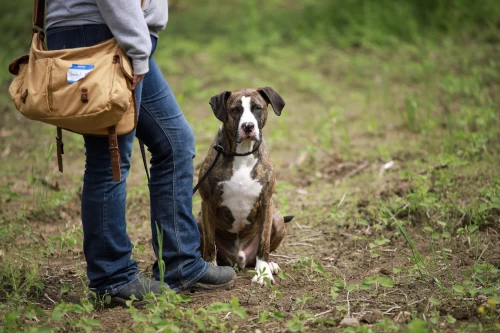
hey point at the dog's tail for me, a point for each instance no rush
(288, 218)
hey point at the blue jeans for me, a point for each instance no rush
(164, 130)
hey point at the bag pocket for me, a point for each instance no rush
(16, 87)
(35, 89)
(94, 101)
(83, 98)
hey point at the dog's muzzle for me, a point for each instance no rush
(247, 130)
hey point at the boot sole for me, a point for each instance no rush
(122, 302)
(203, 286)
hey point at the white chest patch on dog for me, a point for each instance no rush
(241, 191)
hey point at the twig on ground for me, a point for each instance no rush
(299, 243)
(348, 304)
(389, 311)
(281, 256)
(301, 227)
(50, 299)
(342, 200)
(20, 256)
(319, 315)
(415, 302)
(363, 301)
(389, 250)
(345, 234)
(385, 167)
(310, 239)
(323, 313)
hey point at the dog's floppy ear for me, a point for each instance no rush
(218, 104)
(274, 98)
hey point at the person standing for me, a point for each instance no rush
(163, 128)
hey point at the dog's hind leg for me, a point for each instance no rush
(199, 222)
(278, 230)
(209, 251)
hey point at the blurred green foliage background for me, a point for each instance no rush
(248, 28)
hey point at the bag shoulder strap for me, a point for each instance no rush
(38, 18)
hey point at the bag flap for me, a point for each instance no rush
(14, 65)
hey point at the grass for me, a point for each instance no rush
(386, 153)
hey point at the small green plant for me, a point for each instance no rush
(420, 263)
(309, 267)
(161, 263)
(410, 114)
(375, 246)
(377, 281)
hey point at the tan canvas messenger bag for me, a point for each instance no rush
(85, 90)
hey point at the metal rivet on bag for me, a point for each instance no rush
(85, 97)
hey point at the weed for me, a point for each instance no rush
(159, 252)
(309, 267)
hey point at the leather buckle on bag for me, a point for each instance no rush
(60, 145)
(24, 96)
(85, 96)
(113, 148)
(113, 151)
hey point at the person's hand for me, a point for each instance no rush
(136, 79)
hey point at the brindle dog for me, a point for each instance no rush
(239, 223)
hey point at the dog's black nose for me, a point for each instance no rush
(248, 127)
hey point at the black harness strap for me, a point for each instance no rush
(218, 148)
(143, 153)
(207, 173)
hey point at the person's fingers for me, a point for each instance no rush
(136, 79)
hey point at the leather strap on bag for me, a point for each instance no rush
(115, 153)
(38, 16)
(60, 149)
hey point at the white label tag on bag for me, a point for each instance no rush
(78, 72)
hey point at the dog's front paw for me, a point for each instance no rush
(265, 270)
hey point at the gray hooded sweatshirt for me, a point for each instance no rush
(130, 25)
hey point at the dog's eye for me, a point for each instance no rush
(235, 109)
(257, 109)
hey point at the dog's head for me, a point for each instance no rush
(244, 111)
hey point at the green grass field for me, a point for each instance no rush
(387, 153)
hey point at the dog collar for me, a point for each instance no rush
(221, 150)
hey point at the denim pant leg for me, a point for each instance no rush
(168, 136)
(106, 245)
